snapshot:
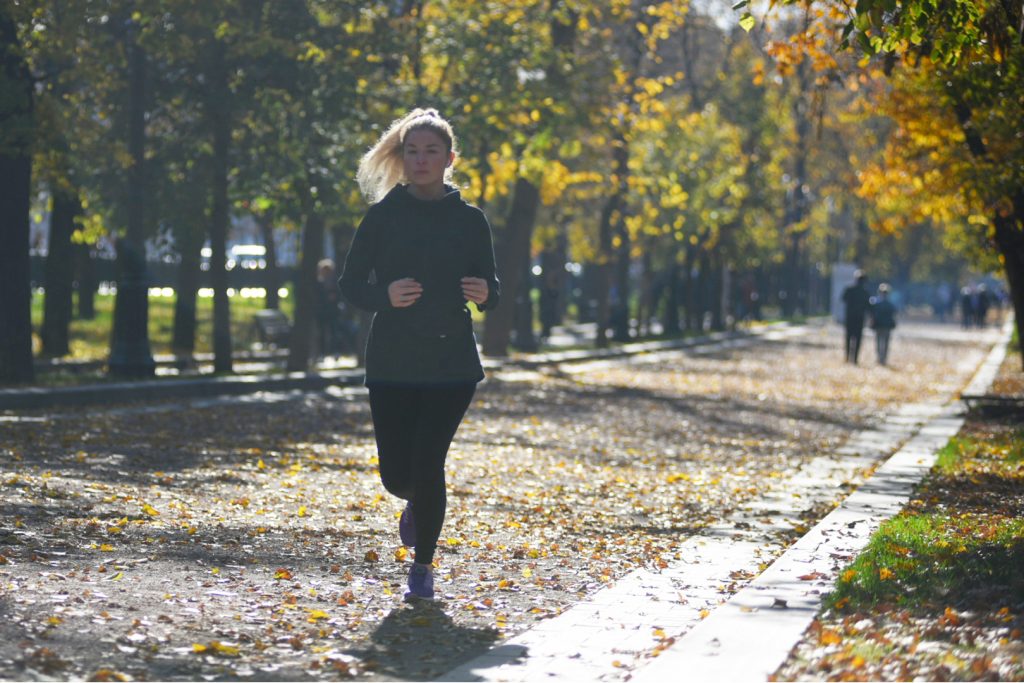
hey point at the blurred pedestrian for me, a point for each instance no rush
(420, 255)
(883, 321)
(966, 307)
(980, 305)
(326, 308)
(857, 302)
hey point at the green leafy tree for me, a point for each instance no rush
(956, 77)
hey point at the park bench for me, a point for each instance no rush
(272, 327)
(994, 406)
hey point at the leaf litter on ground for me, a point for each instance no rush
(938, 594)
(252, 538)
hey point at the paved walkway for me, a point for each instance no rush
(651, 626)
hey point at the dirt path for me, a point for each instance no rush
(249, 538)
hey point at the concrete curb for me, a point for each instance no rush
(750, 636)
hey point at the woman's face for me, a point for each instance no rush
(425, 156)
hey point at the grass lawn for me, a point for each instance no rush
(90, 339)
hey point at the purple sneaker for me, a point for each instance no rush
(406, 526)
(421, 583)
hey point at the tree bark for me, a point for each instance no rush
(513, 251)
(1009, 238)
(16, 138)
(670, 326)
(130, 354)
(219, 113)
(300, 345)
(611, 224)
(59, 273)
(183, 337)
(526, 339)
(85, 266)
(271, 274)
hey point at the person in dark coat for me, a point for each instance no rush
(883, 321)
(857, 302)
(326, 308)
(420, 256)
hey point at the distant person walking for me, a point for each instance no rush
(857, 302)
(420, 255)
(980, 303)
(883, 321)
(966, 307)
(326, 308)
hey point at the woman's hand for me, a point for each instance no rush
(475, 289)
(404, 292)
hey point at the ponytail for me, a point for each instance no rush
(381, 168)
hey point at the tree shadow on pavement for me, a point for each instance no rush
(420, 642)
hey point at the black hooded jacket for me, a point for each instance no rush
(436, 243)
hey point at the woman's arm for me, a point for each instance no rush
(484, 266)
(355, 282)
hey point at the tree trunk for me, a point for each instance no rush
(183, 337)
(301, 339)
(691, 313)
(611, 224)
(526, 339)
(1009, 238)
(670, 326)
(620, 322)
(85, 266)
(719, 276)
(59, 273)
(220, 124)
(16, 139)
(271, 274)
(130, 354)
(513, 251)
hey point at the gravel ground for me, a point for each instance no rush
(249, 538)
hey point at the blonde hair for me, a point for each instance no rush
(381, 168)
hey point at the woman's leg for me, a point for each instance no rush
(883, 345)
(439, 414)
(394, 411)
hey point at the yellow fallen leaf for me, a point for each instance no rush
(283, 574)
(527, 572)
(303, 512)
(150, 510)
(106, 548)
(316, 615)
(260, 464)
(885, 574)
(848, 576)
(829, 637)
(222, 649)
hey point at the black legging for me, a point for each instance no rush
(414, 427)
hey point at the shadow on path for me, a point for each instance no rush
(419, 642)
